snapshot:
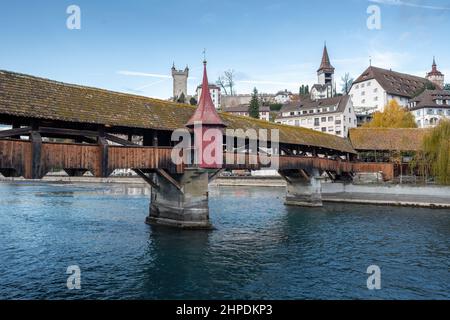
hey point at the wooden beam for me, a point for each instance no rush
(36, 151)
(304, 175)
(330, 175)
(15, 132)
(284, 176)
(213, 175)
(169, 178)
(147, 179)
(120, 141)
(104, 159)
(68, 132)
(155, 139)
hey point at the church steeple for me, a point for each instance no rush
(436, 76)
(434, 65)
(325, 74)
(325, 65)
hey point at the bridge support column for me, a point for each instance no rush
(180, 200)
(304, 188)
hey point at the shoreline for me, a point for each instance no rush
(435, 197)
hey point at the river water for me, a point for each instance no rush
(259, 250)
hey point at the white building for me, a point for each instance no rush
(333, 116)
(373, 90)
(283, 97)
(215, 93)
(326, 87)
(430, 107)
(243, 110)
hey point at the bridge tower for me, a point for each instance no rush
(182, 199)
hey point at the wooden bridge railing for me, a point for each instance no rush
(252, 162)
(33, 160)
(19, 158)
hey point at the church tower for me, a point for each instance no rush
(326, 73)
(180, 78)
(435, 76)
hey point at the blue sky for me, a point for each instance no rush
(129, 46)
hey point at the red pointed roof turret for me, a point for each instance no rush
(434, 70)
(206, 113)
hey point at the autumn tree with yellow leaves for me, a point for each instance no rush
(393, 116)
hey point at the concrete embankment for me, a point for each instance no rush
(389, 195)
(66, 179)
(377, 194)
(249, 182)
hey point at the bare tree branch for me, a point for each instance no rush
(221, 82)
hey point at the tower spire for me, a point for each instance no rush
(435, 75)
(206, 113)
(325, 65)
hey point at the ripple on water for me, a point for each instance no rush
(260, 249)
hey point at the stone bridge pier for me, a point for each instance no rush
(304, 187)
(180, 200)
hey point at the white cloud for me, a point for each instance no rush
(267, 82)
(150, 85)
(408, 4)
(389, 59)
(143, 74)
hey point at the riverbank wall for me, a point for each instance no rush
(427, 196)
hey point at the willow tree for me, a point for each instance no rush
(393, 116)
(435, 156)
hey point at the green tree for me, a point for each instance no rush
(447, 87)
(304, 90)
(428, 86)
(393, 116)
(253, 109)
(275, 106)
(181, 98)
(193, 101)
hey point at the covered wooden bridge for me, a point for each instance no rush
(78, 129)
